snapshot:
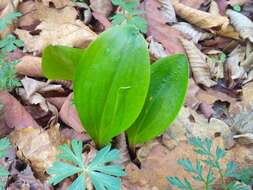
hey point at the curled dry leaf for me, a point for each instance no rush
(242, 24)
(214, 23)
(168, 11)
(29, 66)
(191, 99)
(69, 115)
(56, 3)
(199, 64)
(37, 147)
(103, 7)
(199, 18)
(156, 49)
(15, 115)
(159, 30)
(246, 138)
(121, 145)
(190, 32)
(233, 68)
(57, 30)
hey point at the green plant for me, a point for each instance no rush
(4, 147)
(112, 87)
(102, 175)
(130, 14)
(237, 7)
(8, 79)
(212, 161)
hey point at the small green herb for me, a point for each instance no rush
(212, 161)
(222, 57)
(129, 15)
(102, 175)
(8, 44)
(237, 7)
(4, 147)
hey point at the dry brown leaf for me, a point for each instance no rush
(57, 101)
(156, 49)
(159, 30)
(216, 24)
(37, 147)
(190, 32)
(199, 64)
(191, 99)
(247, 64)
(29, 66)
(69, 115)
(56, 3)
(29, 19)
(58, 27)
(199, 18)
(233, 61)
(242, 24)
(196, 4)
(103, 7)
(246, 138)
(168, 11)
(121, 145)
(15, 115)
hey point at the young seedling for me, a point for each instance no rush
(8, 79)
(116, 89)
(213, 163)
(102, 175)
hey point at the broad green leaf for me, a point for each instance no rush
(111, 83)
(60, 62)
(168, 85)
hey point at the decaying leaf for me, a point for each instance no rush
(200, 64)
(156, 49)
(216, 24)
(69, 115)
(15, 115)
(247, 64)
(159, 30)
(168, 11)
(56, 3)
(190, 32)
(199, 18)
(246, 138)
(37, 147)
(233, 61)
(103, 7)
(242, 24)
(57, 30)
(214, 8)
(29, 66)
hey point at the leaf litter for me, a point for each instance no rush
(218, 42)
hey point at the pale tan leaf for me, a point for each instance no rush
(56, 3)
(103, 7)
(248, 62)
(246, 138)
(29, 66)
(168, 11)
(199, 64)
(190, 32)
(37, 147)
(242, 24)
(199, 18)
(214, 8)
(233, 63)
(57, 30)
(156, 49)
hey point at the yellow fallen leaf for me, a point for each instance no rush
(37, 147)
(200, 64)
(214, 8)
(242, 24)
(57, 30)
(29, 66)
